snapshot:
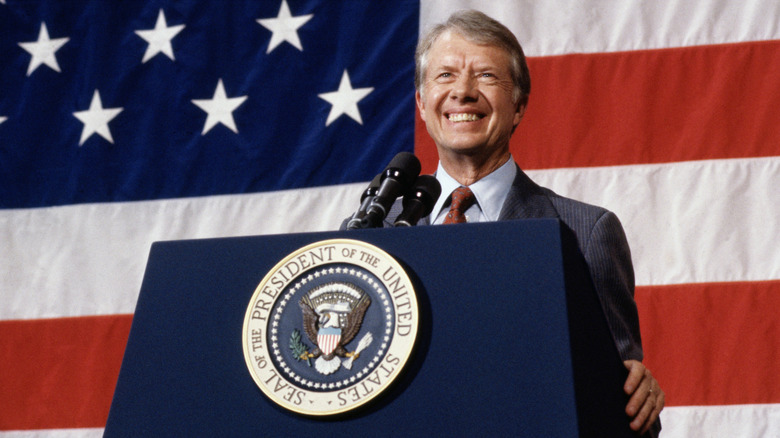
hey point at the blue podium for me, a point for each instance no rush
(512, 340)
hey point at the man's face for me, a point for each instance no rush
(467, 100)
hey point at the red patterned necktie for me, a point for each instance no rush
(462, 199)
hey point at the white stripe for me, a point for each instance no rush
(554, 27)
(90, 259)
(754, 421)
(688, 222)
(53, 433)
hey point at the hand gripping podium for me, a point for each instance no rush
(512, 340)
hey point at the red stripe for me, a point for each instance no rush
(708, 344)
(60, 373)
(651, 106)
(714, 343)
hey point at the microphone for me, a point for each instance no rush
(396, 179)
(365, 201)
(418, 202)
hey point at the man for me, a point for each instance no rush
(472, 86)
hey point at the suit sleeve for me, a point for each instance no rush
(609, 261)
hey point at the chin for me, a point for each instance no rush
(466, 149)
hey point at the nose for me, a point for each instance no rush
(465, 89)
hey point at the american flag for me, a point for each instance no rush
(124, 123)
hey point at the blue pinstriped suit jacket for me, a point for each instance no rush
(602, 242)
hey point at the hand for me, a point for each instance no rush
(647, 398)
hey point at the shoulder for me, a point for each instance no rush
(586, 220)
(573, 209)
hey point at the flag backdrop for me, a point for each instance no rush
(124, 123)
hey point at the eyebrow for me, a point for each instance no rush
(480, 64)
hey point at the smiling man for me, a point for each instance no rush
(468, 99)
(472, 86)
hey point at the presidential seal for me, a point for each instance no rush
(330, 327)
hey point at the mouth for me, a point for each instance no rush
(464, 117)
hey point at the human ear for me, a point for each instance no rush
(420, 104)
(519, 114)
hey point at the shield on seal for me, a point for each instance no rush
(328, 339)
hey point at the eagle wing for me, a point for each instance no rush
(309, 321)
(355, 320)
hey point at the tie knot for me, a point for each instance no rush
(462, 199)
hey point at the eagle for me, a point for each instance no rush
(332, 316)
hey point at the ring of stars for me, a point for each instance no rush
(380, 292)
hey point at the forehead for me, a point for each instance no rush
(451, 49)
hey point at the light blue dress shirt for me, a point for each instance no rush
(490, 192)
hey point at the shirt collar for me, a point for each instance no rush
(490, 191)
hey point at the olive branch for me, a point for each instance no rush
(298, 348)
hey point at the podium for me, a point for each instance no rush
(512, 340)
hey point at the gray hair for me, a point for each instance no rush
(480, 29)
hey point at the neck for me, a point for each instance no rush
(468, 169)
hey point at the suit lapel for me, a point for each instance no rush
(526, 200)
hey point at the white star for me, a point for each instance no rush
(3, 119)
(219, 109)
(159, 38)
(42, 51)
(96, 119)
(284, 27)
(345, 100)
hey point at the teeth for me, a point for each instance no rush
(463, 117)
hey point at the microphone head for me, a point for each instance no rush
(404, 167)
(427, 190)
